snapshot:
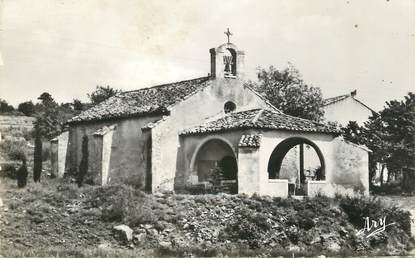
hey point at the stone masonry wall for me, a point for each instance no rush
(128, 159)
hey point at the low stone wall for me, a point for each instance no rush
(315, 187)
(275, 187)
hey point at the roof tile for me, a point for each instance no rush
(333, 100)
(250, 140)
(261, 119)
(154, 100)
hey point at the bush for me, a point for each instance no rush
(83, 166)
(9, 170)
(14, 149)
(357, 208)
(248, 226)
(393, 188)
(37, 158)
(22, 175)
(122, 203)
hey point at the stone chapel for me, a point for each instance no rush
(176, 136)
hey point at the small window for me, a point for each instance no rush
(229, 107)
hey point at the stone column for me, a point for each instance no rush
(62, 150)
(248, 170)
(54, 156)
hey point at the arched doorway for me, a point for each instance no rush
(216, 165)
(298, 160)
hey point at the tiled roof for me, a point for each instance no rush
(250, 140)
(261, 119)
(333, 100)
(154, 100)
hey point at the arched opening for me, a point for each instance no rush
(217, 167)
(229, 107)
(229, 167)
(229, 60)
(298, 160)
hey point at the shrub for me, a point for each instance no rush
(37, 158)
(357, 208)
(9, 170)
(27, 134)
(22, 175)
(125, 204)
(249, 226)
(14, 149)
(393, 188)
(83, 166)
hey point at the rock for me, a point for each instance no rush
(293, 248)
(153, 232)
(123, 232)
(1, 202)
(326, 237)
(334, 247)
(165, 244)
(148, 226)
(138, 238)
(103, 246)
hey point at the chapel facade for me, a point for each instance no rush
(212, 130)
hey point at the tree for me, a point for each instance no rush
(46, 98)
(37, 157)
(51, 116)
(5, 107)
(102, 93)
(22, 174)
(287, 91)
(390, 135)
(354, 133)
(77, 105)
(27, 108)
(83, 165)
(398, 126)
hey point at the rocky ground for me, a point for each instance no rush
(58, 218)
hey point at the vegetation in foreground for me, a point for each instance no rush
(58, 218)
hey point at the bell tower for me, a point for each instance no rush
(226, 61)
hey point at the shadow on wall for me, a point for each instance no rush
(351, 167)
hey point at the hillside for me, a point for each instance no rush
(55, 217)
(22, 122)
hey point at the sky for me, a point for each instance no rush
(68, 47)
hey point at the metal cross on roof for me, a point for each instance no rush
(228, 34)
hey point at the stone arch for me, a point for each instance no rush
(281, 150)
(214, 153)
(230, 61)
